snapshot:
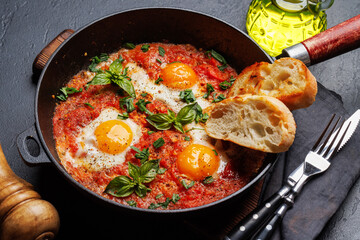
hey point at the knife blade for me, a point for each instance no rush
(354, 119)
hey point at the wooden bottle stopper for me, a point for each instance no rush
(23, 214)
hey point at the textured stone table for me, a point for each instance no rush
(27, 26)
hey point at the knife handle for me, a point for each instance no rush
(252, 222)
(269, 228)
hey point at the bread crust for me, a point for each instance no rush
(290, 81)
(222, 126)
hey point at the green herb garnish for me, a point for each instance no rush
(117, 75)
(174, 199)
(123, 116)
(224, 85)
(219, 58)
(89, 105)
(187, 138)
(187, 96)
(209, 89)
(142, 106)
(158, 143)
(186, 115)
(128, 103)
(161, 51)
(132, 203)
(157, 81)
(145, 47)
(143, 94)
(129, 45)
(142, 155)
(187, 186)
(96, 60)
(66, 91)
(208, 180)
(123, 186)
(218, 98)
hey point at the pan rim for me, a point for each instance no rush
(110, 202)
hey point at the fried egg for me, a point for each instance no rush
(200, 159)
(174, 81)
(104, 142)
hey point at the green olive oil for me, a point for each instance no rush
(278, 24)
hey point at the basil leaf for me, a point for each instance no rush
(125, 84)
(96, 60)
(159, 80)
(162, 121)
(101, 79)
(187, 138)
(187, 114)
(158, 143)
(218, 98)
(131, 203)
(120, 186)
(141, 190)
(134, 172)
(178, 126)
(224, 85)
(208, 180)
(148, 171)
(161, 51)
(187, 96)
(142, 155)
(128, 102)
(175, 198)
(65, 91)
(142, 106)
(187, 186)
(161, 171)
(123, 116)
(89, 105)
(145, 47)
(209, 89)
(116, 67)
(217, 56)
(129, 45)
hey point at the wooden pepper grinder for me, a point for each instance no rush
(23, 214)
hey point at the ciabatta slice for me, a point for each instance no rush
(287, 79)
(258, 122)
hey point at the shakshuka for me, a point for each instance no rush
(130, 128)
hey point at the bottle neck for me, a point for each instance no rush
(291, 5)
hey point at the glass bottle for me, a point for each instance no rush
(278, 24)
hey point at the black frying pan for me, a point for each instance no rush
(138, 26)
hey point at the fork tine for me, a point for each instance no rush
(335, 150)
(323, 133)
(329, 146)
(324, 146)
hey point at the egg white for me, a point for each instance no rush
(88, 154)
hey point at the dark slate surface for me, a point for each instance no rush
(26, 27)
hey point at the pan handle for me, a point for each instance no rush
(43, 57)
(35, 157)
(335, 41)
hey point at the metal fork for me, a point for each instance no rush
(316, 162)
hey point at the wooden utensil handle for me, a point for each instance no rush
(43, 57)
(337, 40)
(23, 214)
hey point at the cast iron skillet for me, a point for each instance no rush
(137, 26)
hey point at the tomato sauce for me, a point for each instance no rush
(73, 114)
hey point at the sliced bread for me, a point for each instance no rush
(258, 122)
(287, 79)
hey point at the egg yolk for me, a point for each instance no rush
(198, 161)
(113, 136)
(178, 76)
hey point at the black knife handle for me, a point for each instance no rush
(252, 222)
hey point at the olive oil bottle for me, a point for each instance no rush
(278, 24)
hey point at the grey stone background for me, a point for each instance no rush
(27, 26)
